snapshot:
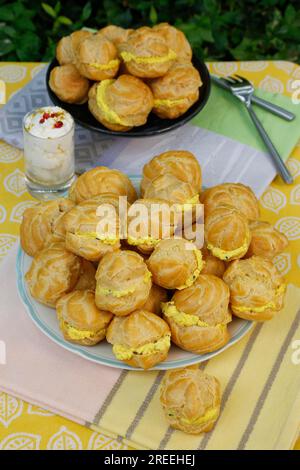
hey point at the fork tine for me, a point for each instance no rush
(243, 79)
(229, 79)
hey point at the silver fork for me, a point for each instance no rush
(243, 90)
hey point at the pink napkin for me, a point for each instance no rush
(39, 371)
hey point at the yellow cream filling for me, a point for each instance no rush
(190, 281)
(168, 103)
(185, 319)
(76, 334)
(210, 415)
(128, 56)
(110, 115)
(94, 235)
(149, 241)
(188, 203)
(124, 353)
(270, 305)
(111, 64)
(122, 293)
(225, 255)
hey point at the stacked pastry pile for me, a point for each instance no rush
(126, 74)
(142, 292)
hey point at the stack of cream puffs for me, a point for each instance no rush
(125, 74)
(152, 286)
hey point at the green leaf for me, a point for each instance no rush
(86, 11)
(153, 15)
(49, 10)
(57, 8)
(6, 46)
(64, 20)
(6, 13)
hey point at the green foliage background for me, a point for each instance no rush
(217, 29)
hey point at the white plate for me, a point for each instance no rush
(45, 319)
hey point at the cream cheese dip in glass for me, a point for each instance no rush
(48, 151)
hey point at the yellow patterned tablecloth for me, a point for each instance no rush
(23, 426)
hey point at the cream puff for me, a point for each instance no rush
(149, 221)
(92, 227)
(211, 264)
(191, 400)
(68, 85)
(234, 194)
(146, 54)
(176, 41)
(87, 276)
(179, 163)
(101, 180)
(142, 339)
(115, 34)
(175, 263)
(43, 224)
(227, 233)
(256, 288)
(54, 272)
(182, 194)
(123, 282)
(97, 58)
(122, 103)
(157, 295)
(67, 46)
(176, 91)
(266, 241)
(79, 319)
(198, 315)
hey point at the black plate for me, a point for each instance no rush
(154, 124)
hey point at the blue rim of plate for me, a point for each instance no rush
(33, 314)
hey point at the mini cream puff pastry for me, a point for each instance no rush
(176, 91)
(97, 58)
(121, 104)
(227, 233)
(179, 163)
(43, 224)
(266, 241)
(115, 34)
(123, 282)
(176, 41)
(87, 276)
(141, 339)
(79, 319)
(67, 46)
(234, 194)
(149, 221)
(156, 297)
(102, 180)
(211, 264)
(87, 232)
(175, 263)
(198, 316)
(191, 400)
(68, 85)
(256, 288)
(146, 54)
(183, 195)
(54, 272)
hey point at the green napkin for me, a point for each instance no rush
(226, 115)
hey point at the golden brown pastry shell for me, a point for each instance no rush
(68, 85)
(67, 46)
(188, 394)
(78, 309)
(156, 296)
(87, 279)
(170, 188)
(234, 194)
(266, 241)
(115, 34)
(255, 284)
(175, 40)
(97, 49)
(54, 272)
(180, 163)
(101, 180)
(122, 271)
(43, 224)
